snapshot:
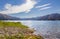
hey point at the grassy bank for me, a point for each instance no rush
(12, 24)
(16, 30)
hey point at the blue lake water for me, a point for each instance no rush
(44, 27)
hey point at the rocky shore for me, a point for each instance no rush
(11, 30)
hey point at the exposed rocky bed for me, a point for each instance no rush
(17, 33)
(11, 31)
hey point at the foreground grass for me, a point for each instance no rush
(12, 24)
(16, 30)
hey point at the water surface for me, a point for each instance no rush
(44, 27)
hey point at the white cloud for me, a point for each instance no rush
(43, 5)
(44, 8)
(26, 7)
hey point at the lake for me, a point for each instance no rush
(48, 29)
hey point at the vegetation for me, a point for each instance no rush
(16, 30)
(12, 24)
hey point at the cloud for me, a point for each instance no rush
(26, 7)
(44, 8)
(43, 5)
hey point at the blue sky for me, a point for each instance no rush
(29, 8)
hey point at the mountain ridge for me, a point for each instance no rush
(7, 17)
(54, 16)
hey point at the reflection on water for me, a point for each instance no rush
(46, 28)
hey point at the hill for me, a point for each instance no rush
(54, 16)
(6, 17)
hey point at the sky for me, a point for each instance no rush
(29, 8)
